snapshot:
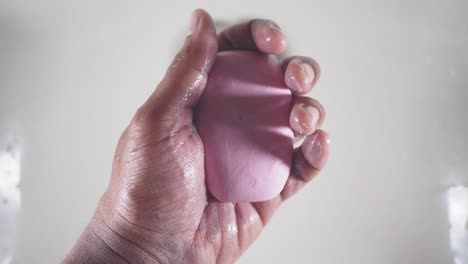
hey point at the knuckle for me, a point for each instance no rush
(140, 120)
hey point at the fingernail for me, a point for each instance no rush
(304, 118)
(266, 27)
(194, 21)
(271, 28)
(270, 35)
(312, 149)
(302, 75)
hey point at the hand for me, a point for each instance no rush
(156, 208)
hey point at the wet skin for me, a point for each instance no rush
(156, 208)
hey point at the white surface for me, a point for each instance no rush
(458, 215)
(395, 77)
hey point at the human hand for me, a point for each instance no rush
(157, 208)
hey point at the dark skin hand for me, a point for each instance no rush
(156, 208)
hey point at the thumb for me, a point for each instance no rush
(184, 82)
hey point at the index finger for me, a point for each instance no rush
(258, 34)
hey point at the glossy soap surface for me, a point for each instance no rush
(242, 119)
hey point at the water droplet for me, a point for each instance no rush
(232, 228)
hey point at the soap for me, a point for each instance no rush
(243, 121)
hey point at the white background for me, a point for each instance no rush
(395, 85)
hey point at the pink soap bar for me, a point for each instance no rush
(243, 120)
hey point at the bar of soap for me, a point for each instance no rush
(243, 121)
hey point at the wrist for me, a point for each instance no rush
(101, 243)
(91, 247)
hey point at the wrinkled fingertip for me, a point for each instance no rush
(307, 115)
(268, 36)
(304, 118)
(301, 74)
(316, 149)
